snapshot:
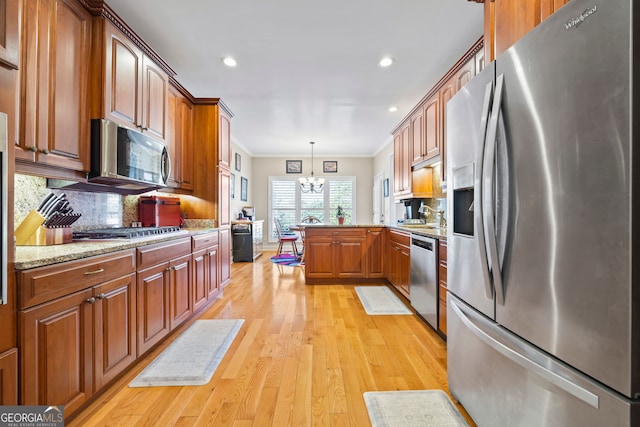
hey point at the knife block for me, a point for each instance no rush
(30, 232)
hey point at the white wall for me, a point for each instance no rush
(360, 167)
(381, 163)
(246, 171)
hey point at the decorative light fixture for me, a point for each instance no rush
(311, 184)
(393, 109)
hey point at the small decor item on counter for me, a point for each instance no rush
(49, 224)
(340, 215)
(159, 211)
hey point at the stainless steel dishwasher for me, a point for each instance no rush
(423, 286)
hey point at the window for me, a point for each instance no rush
(290, 205)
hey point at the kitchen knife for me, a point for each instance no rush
(44, 202)
(48, 205)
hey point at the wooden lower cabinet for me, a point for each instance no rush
(114, 328)
(153, 307)
(399, 260)
(71, 345)
(181, 290)
(335, 253)
(375, 252)
(205, 269)
(82, 323)
(442, 286)
(9, 377)
(56, 348)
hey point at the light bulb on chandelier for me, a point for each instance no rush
(311, 184)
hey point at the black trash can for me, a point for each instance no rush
(242, 243)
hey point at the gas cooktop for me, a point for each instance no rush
(124, 233)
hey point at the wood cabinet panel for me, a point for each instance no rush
(123, 79)
(54, 78)
(333, 253)
(319, 256)
(417, 136)
(212, 264)
(350, 257)
(114, 328)
(224, 198)
(10, 34)
(155, 84)
(375, 252)
(224, 256)
(399, 260)
(442, 286)
(199, 277)
(9, 377)
(181, 290)
(153, 306)
(402, 152)
(507, 21)
(432, 127)
(56, 352)
(179, 139)
(225, 141)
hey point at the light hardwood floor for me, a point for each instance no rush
(304, 357)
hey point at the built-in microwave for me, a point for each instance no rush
(125, 158)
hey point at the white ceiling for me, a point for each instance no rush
(308, 70)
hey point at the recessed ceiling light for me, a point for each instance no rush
(229, 61)
(393, 109)
(386, 61)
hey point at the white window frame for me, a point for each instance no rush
(298, 197)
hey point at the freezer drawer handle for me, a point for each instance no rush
(575, 390)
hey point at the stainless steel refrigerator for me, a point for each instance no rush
(543, 171)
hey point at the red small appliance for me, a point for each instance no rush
(159, 211)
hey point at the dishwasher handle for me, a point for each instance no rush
(422, 244)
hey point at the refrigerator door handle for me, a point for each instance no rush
(570, 387)
(488, 187)
(478, 211)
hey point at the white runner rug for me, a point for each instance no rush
(380, 300)
(193, 357)
(414, 408)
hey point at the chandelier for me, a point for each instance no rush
(311, 184)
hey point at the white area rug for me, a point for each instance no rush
(193, 357)
(414, 408)
(379, 300)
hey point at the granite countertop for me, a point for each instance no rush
(38, 256)
(436, 233)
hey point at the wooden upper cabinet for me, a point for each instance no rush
(135, 88)
(179, 140)
(9, 33)
(506, 21)
(417, 136)
(402, 152)
(54, 84)
(432, 126)
(225, 141)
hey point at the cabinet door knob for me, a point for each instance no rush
(44, 151)
(91, 300)
(33, 148)
(101, 296)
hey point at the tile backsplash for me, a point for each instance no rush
(97, 209)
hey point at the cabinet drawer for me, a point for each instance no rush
(204, 240)
(400, 237)
(42, 284)
(162, 252)
(336, 232)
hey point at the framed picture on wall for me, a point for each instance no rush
(244, 187)
(294, 166)
(232, 186)
(330, 166)
(238, 162)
